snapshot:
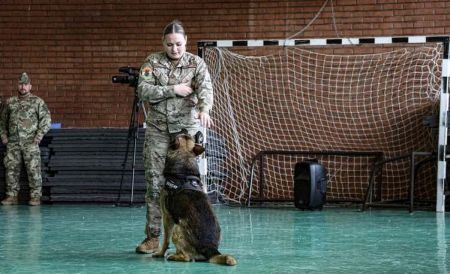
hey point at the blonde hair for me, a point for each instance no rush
(174, 27)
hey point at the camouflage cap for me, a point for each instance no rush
(24, 79)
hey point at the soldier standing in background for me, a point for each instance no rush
(178, 87)
(25, 120)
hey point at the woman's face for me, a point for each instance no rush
(174, 45)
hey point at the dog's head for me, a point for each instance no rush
(183, 141)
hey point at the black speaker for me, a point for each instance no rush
(310, 185)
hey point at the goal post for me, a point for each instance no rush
(352, 95)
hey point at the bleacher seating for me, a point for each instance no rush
(87, 165)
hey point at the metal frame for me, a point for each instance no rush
(414, 167)
(444, 91)
(377, 156)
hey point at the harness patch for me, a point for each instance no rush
(188, 183)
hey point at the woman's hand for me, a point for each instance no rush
(182, 90)
(205, 120)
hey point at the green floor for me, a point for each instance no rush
(101, 239)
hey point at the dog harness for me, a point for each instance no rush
(175, 185)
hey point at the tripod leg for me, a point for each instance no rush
(133, 168)
(131, 134)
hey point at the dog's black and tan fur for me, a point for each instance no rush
(188, 217)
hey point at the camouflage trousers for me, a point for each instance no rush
(155, 150)
(30, 156)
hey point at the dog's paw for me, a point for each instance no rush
(158, 254)
(178, 257)
(230, 260)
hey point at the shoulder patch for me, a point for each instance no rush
(146, 72)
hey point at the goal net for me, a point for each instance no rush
(344, 108)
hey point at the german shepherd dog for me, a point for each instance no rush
(188, 217)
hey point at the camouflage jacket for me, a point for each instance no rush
(156, 86)
(24, 119)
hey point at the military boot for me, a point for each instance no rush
(149, 245)
(10, 200)
(34, 201)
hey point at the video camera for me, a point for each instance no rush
(131, 78)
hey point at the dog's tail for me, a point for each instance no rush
(223, 259)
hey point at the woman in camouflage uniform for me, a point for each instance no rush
(178, 88)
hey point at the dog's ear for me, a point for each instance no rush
(184, 131)
(175, 144)
(198, 149)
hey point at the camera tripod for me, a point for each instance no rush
(133, 135)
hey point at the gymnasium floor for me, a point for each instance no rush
(101, 239)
